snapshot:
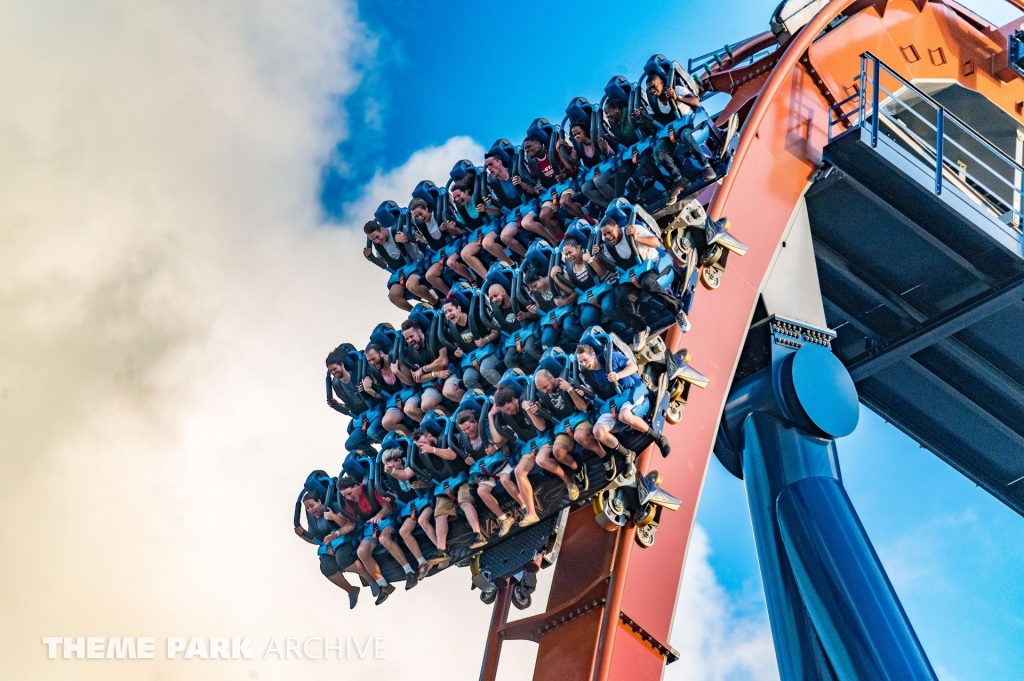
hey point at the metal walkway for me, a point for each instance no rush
(926, 291)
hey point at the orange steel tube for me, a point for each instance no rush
(613, 605)
(492, 653)
(797, 46)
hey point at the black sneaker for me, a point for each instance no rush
(581, 478)
(709, 173)
(353, 598)
(662, 442)
(385, 591)
(410, 580)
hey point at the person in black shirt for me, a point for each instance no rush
(456, 313)
(394, 253)
(526, 353)
(380, 387)
(439, 270)
(513, 427)
(624, 133)
(333, 562)
(411, 494)
(419, 366)
(556, 397)
(471, 441)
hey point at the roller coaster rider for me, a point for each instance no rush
(364, 426)
(488, 466)
(523, 351)
(585, 152)
(447, 505)
(545, 299)
(618, 250)
(396, 254)
(550, 407)
(333, 561)
(469, 217)
(503, 202)
(414, 505)
(421, 365)
(456, 309)
(510, 425)
(440, 271)
(625, 132)
(539, 175)
(617, 413)
(380, 386)
(578, 278)
(666, 105)
(372, 511)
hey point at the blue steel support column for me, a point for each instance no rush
(833, 612)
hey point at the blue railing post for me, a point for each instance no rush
(940, 118)
(874, 102)
(860, 91)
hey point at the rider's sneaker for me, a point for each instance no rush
(683, 321)
(410, 580)
(640, 339)
(423, 571)
(441, 556)
(709, 173)
(582, 481)
(529, 520)
(662, 442)
(478, 541)
(573, 490)
(506, 525)
(385, 591)
(353, 598)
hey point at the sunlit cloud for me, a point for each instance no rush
(716, 639)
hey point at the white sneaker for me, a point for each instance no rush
(506, 525)
(640, 339)
(683, 321)
(529, 520)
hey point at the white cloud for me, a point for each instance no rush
(167, 297)
(715, 639)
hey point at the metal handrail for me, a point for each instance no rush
(945, 114)
(870, 109)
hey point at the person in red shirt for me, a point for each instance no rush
(377, 527)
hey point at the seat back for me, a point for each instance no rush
(429, 192)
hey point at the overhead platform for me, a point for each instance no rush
(921, 270)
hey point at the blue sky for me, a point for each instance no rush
(484, 70)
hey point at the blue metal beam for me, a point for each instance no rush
(930, 332)
(824, 584)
